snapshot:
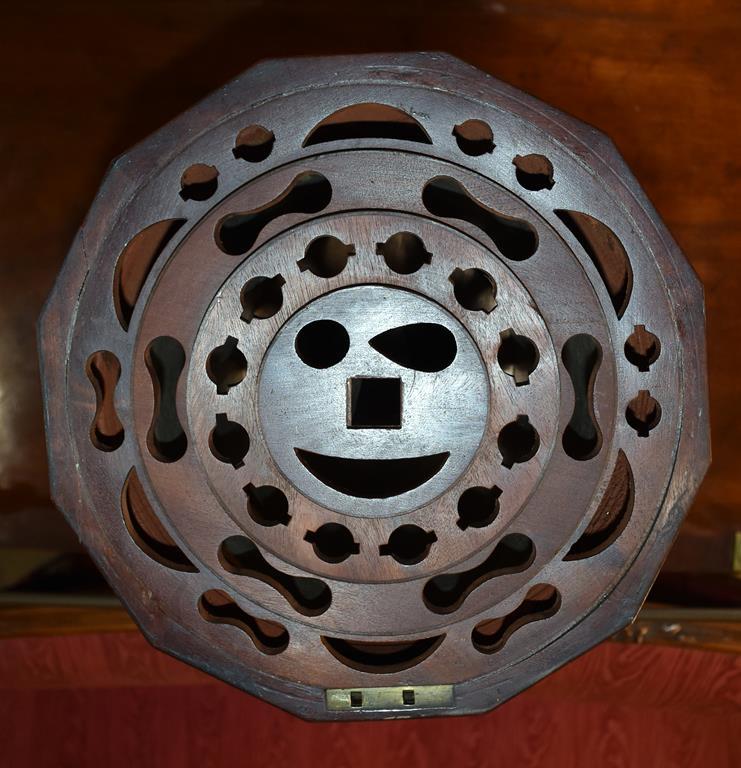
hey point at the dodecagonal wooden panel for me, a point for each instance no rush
(375, 398)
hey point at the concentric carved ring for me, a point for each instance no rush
(376, 398)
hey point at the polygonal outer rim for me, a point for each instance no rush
(443, 72)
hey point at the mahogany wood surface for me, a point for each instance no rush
(84, 81)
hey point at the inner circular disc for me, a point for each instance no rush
(387, 423)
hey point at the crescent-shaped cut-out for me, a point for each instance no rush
(427, 347)
(607, 254)
(612, 515)
(146, 530)
(372, 478)
(367, 121)
(382, 657)
(136, 262)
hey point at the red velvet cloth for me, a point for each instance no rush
(110, 700)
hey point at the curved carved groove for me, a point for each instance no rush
(382, 657)
(165, 359)
(515, 238)
(446, 593)
(612, 515)
(309, 192)
(240, 556)
(269, 637)
(582, 438)
(367, 121)
(136, 262)
(607, 254)
(541, 602)
(104, 371)
(146, 530)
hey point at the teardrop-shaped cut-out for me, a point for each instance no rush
(427, 347)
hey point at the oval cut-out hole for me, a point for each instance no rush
(262, 297)
(642, 348)
(267, 505)
(474, 137)
(607, 253)
(146, 530)
(474, 289)
(332, 542)
(427, 347)
(515, 238)
(308, 596)
(541, 602)
(643, 413)
(382, 657)
(199, 182)
(217, 607)
(517, 356)
(229, 441)
(478, 507)
(254, 144)
(309, 192)
(404, 253)
(612, 515)
(136, 262)
(408, 544)
(447, 592)
(322, 343)
(326, 256)
(165, 359)
(367, 121)
(372, 478)
(226, 366)
(582, 355)
(534, 172)
(518, 442)
(104, 371)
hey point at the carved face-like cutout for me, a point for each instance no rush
(373, 400)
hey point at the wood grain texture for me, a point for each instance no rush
(112, 700)
(82, 83)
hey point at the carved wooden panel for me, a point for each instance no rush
(375, 387)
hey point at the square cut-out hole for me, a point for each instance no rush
(356, 698)
(373, 403)
(408, 697)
